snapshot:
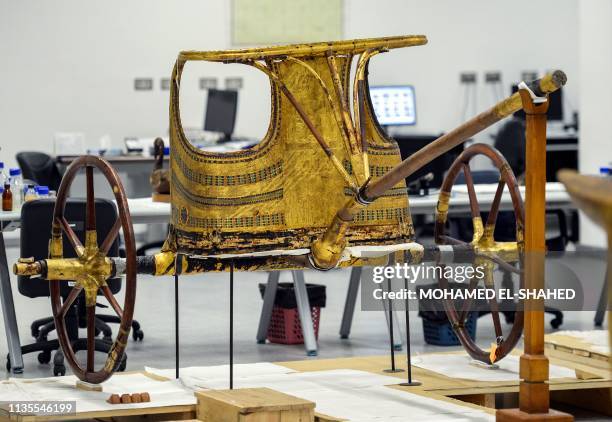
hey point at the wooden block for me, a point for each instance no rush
(484, 400)
(516, 415)
(252, 405)
(82, 385)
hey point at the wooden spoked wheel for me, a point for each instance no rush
(93, 269)
(489, 253)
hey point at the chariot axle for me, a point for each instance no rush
(164, 263)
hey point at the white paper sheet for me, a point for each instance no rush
(163, 393)
(348, 394)
(217, 377)
(354, 395)
(460, 366)
(381, 403)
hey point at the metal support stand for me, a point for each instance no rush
(410, 382)
(391, 333)
(268, 306)
(303, 304)
(602, 305)
(8, 312)
(301, 298)
(231, 328)
(177, 271)
(349, 304)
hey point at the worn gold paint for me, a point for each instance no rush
(346, 47)
(27, 267)
(111, 360)
(313, 134)
(442, 206)
(89, 270)
(478, 229)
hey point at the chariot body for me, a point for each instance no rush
(325, 188)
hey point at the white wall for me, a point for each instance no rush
(69, 65)
(595, 60)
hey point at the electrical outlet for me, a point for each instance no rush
(529, 75)
(468, 77)
(164, 84)
(143, 84)
(493, 77)
(233, 83)
(208, 83)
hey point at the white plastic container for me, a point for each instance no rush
(3, 176)
(30, 194)
(16, 181)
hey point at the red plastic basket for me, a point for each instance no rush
(285, 327)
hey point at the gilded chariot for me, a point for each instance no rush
(325, 188)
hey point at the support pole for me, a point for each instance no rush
(177, 271)
(410, 382)
(534, 397)
(231, 328)
(391, 330)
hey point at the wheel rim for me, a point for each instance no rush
(91, 282)
(483, 238)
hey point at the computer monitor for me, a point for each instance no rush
(409, 144)
(555, 106)
(394, 105)
(221, 107)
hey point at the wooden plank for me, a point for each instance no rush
(477, 394)
(562, 344)
(586, 393)
(594, 399)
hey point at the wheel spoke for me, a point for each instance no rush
(495, 316)
(91, 336)
(110, 237)
(72, 237)
(74, 293)
(113, 302)
(469, 181)
(492, 218)
(467, 304)
(91, 200)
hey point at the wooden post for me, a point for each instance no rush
(534, 397)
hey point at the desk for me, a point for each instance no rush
(9, 221)
(134, 171)
(145, 211)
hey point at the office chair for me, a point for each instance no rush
(40, 168)
(36, 217)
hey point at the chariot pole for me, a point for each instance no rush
(327, 250)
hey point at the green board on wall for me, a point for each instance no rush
(284, 21)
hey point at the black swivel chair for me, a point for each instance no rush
(40, 168)
(36, 218)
